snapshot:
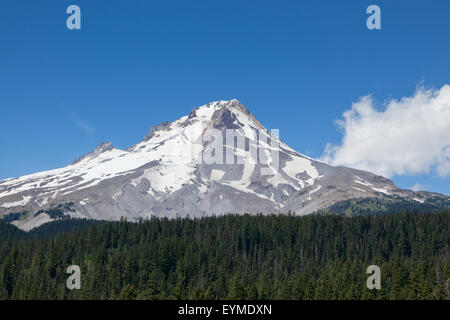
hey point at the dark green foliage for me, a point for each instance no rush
(13, 216)
(58, 211)
(384, 205)
(55, 213)
(233, 257)
(9, 231)
(62, 226)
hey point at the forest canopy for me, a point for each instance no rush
(231, 257)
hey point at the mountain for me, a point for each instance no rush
(172, 172)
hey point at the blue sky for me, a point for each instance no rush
(297, 65)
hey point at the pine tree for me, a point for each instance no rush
(128, 293)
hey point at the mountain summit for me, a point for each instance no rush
(190, 167)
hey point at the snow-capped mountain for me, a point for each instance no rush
(170, 173)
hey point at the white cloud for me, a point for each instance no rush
(84, 126)
(420, 187)
(409, 136)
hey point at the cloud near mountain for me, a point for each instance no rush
(409, 136)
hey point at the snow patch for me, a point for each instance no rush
(22, 202)
(382, 190)
(301, 165)
(359, 189)
(419, 200)
(364, 183)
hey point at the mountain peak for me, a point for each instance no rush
(101, 148)
(160, 126)
(223, 113)
(228, 104)
(216, 105)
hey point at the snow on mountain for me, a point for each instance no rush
(170, 173)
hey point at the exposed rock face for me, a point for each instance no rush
(102, 147)
(166, 175)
